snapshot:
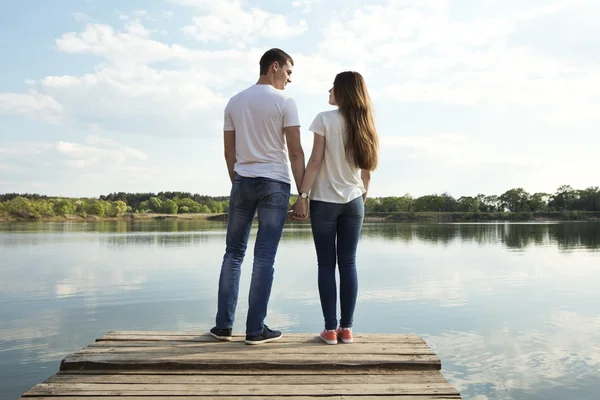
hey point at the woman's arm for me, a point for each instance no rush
(314, 163)
(366, 178)
(310, 174)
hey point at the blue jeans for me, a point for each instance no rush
(341, 223)
(249, 195)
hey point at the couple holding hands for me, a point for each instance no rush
(261, 139)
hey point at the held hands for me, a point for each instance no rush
(300, 209)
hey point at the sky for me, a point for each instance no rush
(101, 96)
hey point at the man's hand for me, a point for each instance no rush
(300, 209)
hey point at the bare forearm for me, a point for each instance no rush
(297, 163)
(366, 178)
(312, 170)
(230, 165)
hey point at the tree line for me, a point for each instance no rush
(33, 206)
(514, 200)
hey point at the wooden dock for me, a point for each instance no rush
(188, 366)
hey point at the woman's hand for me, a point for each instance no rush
(300, 209)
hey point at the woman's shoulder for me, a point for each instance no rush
(328, 115)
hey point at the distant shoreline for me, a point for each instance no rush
(369, 217)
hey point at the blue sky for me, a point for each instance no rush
(470, 96)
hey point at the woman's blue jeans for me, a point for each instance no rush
(336, 229)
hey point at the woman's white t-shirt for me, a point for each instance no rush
(337, 181)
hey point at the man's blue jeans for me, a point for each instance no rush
(336, 229)
(249, 195)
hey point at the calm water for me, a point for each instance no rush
(513, 310)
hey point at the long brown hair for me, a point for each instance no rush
(353, 100)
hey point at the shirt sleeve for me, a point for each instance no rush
(318, 125)
(290, 113)
(228, 122)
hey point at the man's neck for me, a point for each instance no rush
(265, 80)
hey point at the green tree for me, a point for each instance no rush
(156, 204)
(216, 207)
(21, 207)
(63, 207)
(435, 203)
(538, 202)
(80, 207)
(589, 199)
(189, 204)
(96, 207)
(169, 207)
(468, 204)
(516, 200)
(144, 206)
(492, 204)
(118, 208)
(564, 198)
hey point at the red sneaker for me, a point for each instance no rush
(345, 334)
(329, 337)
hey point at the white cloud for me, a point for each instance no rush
(173, 100)
(83, 155)
(452, 150)
(19, 149)
(32, 104)
(487, 62)
(92, 139)
(553, 8)
(304, 5)
(427, 56)
(130, 46)
(228, 21)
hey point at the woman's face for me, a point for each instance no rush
(332, 97)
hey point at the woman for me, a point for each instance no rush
(338, 174)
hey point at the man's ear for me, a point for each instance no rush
(275, 65)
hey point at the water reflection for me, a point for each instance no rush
(566, 236)
(562, 355)
(512, 309)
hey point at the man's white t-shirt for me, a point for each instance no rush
(337, 181)
(258, 115)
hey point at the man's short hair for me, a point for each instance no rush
(271, 56)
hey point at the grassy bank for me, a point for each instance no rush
(369, 217)
(129, 216)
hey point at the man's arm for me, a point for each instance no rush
(292, 137)
(230, 157)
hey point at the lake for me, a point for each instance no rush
(512, 309)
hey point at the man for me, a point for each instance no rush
(259, 121)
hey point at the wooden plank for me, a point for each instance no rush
(137, 365)
(90, 389)
(247, 359)
(365, 370)
(274, 349)
(413, 377)
(238, 344)
(200, 397)
(242, 335)
(287, 337)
